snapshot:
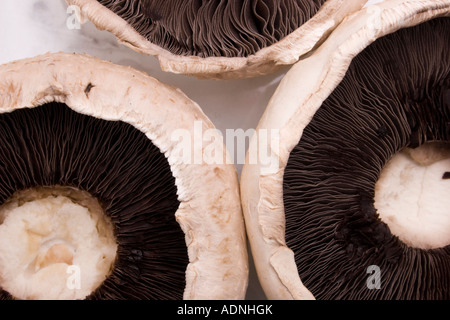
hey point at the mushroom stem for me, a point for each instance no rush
(47, 230)
(57, 253)
(412, 198)
(429, 152)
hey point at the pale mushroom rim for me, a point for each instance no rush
(285, 52)
(209, 212)
(317, 76)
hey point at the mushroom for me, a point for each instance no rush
(362, 136)
(219, 39)
(98, 197)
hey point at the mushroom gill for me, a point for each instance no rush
(219, 39)
(214, 28)
(52, 146)
(395, 95)
(96, 174)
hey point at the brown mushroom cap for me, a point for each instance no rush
(219, 39)
(202, 198)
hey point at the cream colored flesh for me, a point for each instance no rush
(53, 246)
(411, 197)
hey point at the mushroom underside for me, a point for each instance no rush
(214, 28)
(54, 147)
(395, 95)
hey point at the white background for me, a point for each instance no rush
(32, 27)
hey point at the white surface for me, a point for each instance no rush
(42, 238)
(32, 27)
(412, 199)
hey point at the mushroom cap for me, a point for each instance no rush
(269, 59)
(300, 94)
(209, 213)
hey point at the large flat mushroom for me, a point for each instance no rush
(363, 132)
(99, 196)
(219, 38)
